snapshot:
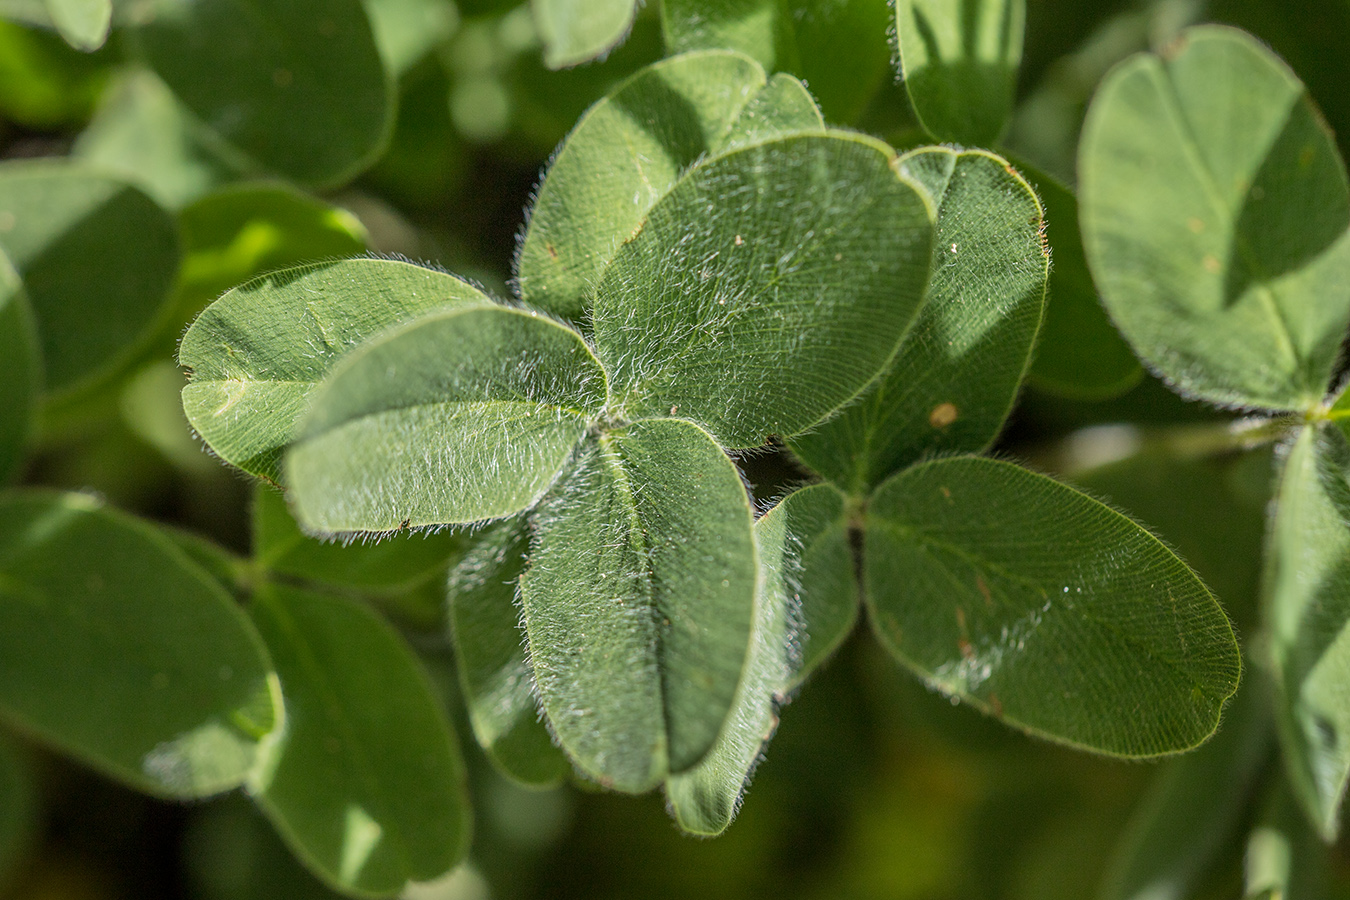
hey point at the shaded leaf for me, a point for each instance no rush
(576, 31)
(960, 64)
(726, 282)
(460, 417)
(18, 808)
(83, 23)
(1045, 608)
(820, 573)
(494, 670)
(298, 86)
(258, 352)
(162, 683)
(1214, 209)
(21, 373)
(639, 601)
(366, 783)
(97, 258)
(407, 30)
(953, 381)
(758, 28)
(1283, 859)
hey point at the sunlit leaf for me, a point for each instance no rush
(575, 31)
(258, 352)
(758, 28)
(820, 573)
(407, 30)
(21, 373)
(960, 64)
(494, 670)
(1045, 608)
(725, 282)
(119, 650)
(459, 417)
(312, 101)
(955, 377)
(83, 23)
(639, 601)
(1214, 208)
(43, 81)
(366, 783)
(97, 258)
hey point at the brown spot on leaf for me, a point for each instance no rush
(984, 590)
(1211, 264)
(995, 705)
(943, 415)
(552, 250)
(1195, 225)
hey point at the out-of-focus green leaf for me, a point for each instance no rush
(407, 30)
(1215, 209)
(83, 23)
(459, 417)
(494, 670)
(1284, 858)
(43, 81)
(1194, 808)
(725, 281)
(956, 375)
(21, 372)
(97, 258)
(705, 799)
(575, 31)
(758, 28)
(1047, 609)
(1307, 609)
(960, 64)
(1079, 353)
(624, 155)
(119, 650)
(639, 601)
(257, 353)
(18, 808)
(144, 134)
(366, 783)
(298, 86)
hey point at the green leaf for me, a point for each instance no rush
(1307, 595)
(366, 783)
(1040, 605)
(311, 100)
(460, 417)
(758, 28)
(21, 374)
(1214, 213)
(726, 282)
(705, 799)
(820, 572)
(782, 106)
(625, 154)
(960, 64)
(1079, 354)
(576, 31)
(97, 258)
(953, 381)
(407, 30)
(258, 352)
(43, 84)
(639, 601)
(161, 681)
(18, 809)
(83, 23)
(494, 670)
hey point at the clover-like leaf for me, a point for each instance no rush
(576, 31)
(1215, 209)
(726, 282)
(21, 373)
(119, 650)
(820, 573)
(459, 417)
(761, 29)
(312, 101)
(83, 23)
(97, 258)
(407, 30)
(960, 64)
(955, 377)
(366, 783)
(258, 352)
(639, 601)
(494, 670)
(626, 153)
(1047, 609)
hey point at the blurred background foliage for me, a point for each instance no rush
(874, 787)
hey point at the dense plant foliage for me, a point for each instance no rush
(729, 427)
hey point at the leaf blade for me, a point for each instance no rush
(575, 31)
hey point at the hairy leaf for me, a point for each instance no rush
(97, 258)
(298, 86)
(806, 257)
(626, 153)
(83, 23)
(960, 64)
(119, 650)
(366, 783)
(494, 669)
(21, 372)
(459, 417)
(820, 573)
(639, 601)
(1215, 210)
(758, 28)
(782, 106)
(576, 31)
(955, 377)
(258, 352)
(1047, 609)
